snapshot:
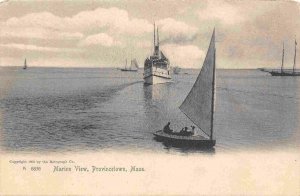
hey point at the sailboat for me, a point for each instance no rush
(25, 64)
(283, 72)
(198, 106)
(133, 66)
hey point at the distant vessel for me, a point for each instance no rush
(133, 66)
(263, 69)
(283, 72)
(176, 70)
(157, 66)
(198, 106)
(25, 64)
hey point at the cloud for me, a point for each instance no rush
(107, 35)
(258, 42)
(187, 56)
(176, 31)
(37, 48)
(3, 1)
(222, 11)
(34, 20)
(101, 39)
(103, 28)
(39, 33)
(115, 19)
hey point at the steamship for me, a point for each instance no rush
(157, 66)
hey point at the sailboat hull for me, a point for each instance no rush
(274, 73)
(130, 70)
(195, 141)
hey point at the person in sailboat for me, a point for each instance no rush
(183, 131)
(186, 131)
(193, 130)
(167, 128)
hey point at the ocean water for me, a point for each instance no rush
(92, 109)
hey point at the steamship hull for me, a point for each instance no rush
(156, 76)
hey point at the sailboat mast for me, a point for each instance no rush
(213, 100)
(154, 37)
(157, 39)
(213, 92)
(295, 56)
(282, 60)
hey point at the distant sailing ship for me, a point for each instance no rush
(25, 64)
(283, 72)
(198, 106)
(157, 66)
(133, 66)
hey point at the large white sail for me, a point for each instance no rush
(198, 106)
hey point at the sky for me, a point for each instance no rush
(103, 33)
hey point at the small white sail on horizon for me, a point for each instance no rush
(25, 64)
(134, 63)
(132, 67)
(198, 106)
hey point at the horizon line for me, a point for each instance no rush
(111, 67)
